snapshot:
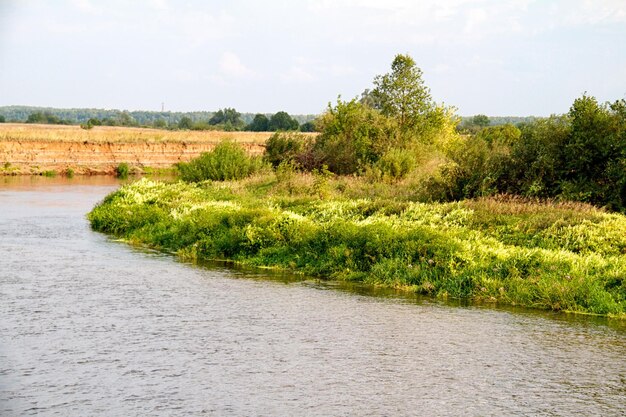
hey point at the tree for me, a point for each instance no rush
(185, 123)
(308, 127)
(260, 123)
(227, 117)
(402, 94)
(282, 121)
(2, 119)
(160, 123)
(480, 120)
(353, 136)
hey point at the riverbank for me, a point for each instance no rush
(28, 149)
(569, 257)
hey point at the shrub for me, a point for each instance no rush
(353, 136)
(284, 147)
(227, 161)
(122, 170)
(395, 164)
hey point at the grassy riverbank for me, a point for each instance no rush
(553, 256)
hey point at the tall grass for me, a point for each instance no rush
(544, 255)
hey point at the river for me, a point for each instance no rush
(93, 327)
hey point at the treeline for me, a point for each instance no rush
(223, 119)
(396, 131)
(579, 156)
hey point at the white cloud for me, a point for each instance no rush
(298, 74)
(231, 66)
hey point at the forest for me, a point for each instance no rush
(227, 119)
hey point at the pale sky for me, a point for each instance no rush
(497, 57)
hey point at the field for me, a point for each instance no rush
(107, 134)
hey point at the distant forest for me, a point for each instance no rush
(223, 119)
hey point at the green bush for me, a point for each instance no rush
(395, 164)
(284, 147)
(122, 170)
(227, 161)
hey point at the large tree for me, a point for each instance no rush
(401, 94)
(260, 123)
(282, 121)
(228, 117)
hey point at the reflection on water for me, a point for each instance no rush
(90, 326)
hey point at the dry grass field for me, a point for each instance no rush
(21, 132)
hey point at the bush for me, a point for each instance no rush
(284, 147)
(227, 161)
(122, 170)
(353, 136)
(395, 164)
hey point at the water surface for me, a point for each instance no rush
(90, 326)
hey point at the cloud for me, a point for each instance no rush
(298, 74)
(231, 66)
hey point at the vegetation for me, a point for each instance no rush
(547, 255)
(580, 156)
(105, 134)
(227, 119)
(122, 170)
(499, 212)
(226, 162)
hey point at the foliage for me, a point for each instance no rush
(309, 126)
(553, 256)
(185, 123)
(122, 170)
(402, 94)
(480, 120)
(578, 157)
(113, 117)
(159, 123)
(260, 123)
(227, 161)
(45, 118)
(2, 119)
(229, 118)
(289, 147)
(353, 136)
(395, 164)
(282, 121)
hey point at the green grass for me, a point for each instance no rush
(502, 250)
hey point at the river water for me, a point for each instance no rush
(93, 327)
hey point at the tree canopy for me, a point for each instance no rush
(282, 121)
(402, 94)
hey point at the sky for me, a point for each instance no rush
(494, 57)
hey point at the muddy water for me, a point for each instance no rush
(90, 326)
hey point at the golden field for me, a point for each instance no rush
(109, 134)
